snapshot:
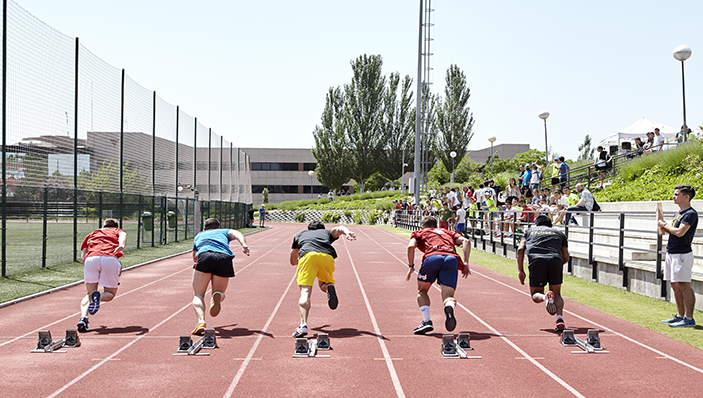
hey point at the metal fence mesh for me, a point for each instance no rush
(84, 141)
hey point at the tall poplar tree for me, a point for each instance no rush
(398, 127)
(333, 159)
(364, 114)
(454, 119)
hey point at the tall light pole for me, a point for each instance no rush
(492, 140)
(452, 155)
(682, 53)
(311, 173)
(544, 115)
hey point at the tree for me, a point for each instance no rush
(36, 172)
(533, 155)
(265, 195)
(398, 127)
(454, 119)
(105, 179)
(364, 112)
(585, 150)
(333, 160)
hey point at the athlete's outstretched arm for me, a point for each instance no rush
(520, 260)
(233, 234)
(294, 256)
(342, 230)
(411, 258)
(565, 255)
(466, 248)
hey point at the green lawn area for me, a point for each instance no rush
(635, 308)
(37, 279)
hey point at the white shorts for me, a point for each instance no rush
(103, 270)
(678, 267)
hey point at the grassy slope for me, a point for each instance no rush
(635, 308)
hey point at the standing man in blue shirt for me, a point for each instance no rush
(212, 260)
(679, 256)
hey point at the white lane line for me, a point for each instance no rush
(377, 330)
(502, 337)
(45, 327)
(249, 356)
(87, 372)
(688, 365)
(609, 330)
(78, 313)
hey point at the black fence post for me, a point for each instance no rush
(621, 251)
(45, 236)
(594, 271)
(139, 223)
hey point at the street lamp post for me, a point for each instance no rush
(682, 53)
(544, 115)
(452, 154)
(492, 140)
(311, 173)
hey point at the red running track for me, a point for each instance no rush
(129, 350)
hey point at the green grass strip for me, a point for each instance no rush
(631, 307)
(22, 285)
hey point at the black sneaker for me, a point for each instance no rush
(450, 322)
(82, 325)
(424, 328)
(332, 299)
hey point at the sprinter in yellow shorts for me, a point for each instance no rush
(314, 255)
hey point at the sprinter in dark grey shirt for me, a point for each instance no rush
(547, 252)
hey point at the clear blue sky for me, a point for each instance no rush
(256, 72)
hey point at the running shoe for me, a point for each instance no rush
(200, 329)
(332, 299)
(425, 326)
(549, 299)
(684, 323)
(676, 318)
(82, 325)
(301, 331)
(94, 305)
(450, 321)
(215, 303)
(560, 325)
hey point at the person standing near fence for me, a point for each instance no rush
(440, 263)
(262, 215)
(314, 256)
(547, 252)
(100, 252)
(679, 256)
(212, 260)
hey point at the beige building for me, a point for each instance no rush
(284, 171)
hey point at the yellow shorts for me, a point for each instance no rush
(315, 265)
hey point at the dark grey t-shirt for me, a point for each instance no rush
(317, 240)
(544, 243)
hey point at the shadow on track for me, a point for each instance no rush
(137, 330)
(345, 332)
(223, 333)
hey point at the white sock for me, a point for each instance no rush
(425, 311)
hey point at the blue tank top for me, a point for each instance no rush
(212, 240)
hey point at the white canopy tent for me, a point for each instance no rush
(639, 129)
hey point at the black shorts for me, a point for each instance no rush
(215, 263)
(546, 271)
(603, 168)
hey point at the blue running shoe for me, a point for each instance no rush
(684, 323)
(676, 318)
(94, 305)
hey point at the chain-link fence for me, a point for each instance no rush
(81, 140)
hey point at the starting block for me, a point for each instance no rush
(456, 349)
(306, 349)
(46, 345)
(590, 346)
(187, 347)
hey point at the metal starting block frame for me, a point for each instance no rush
(456, 349)
(187, 347)
(308, 349)
(46, 345)
(590, 346)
